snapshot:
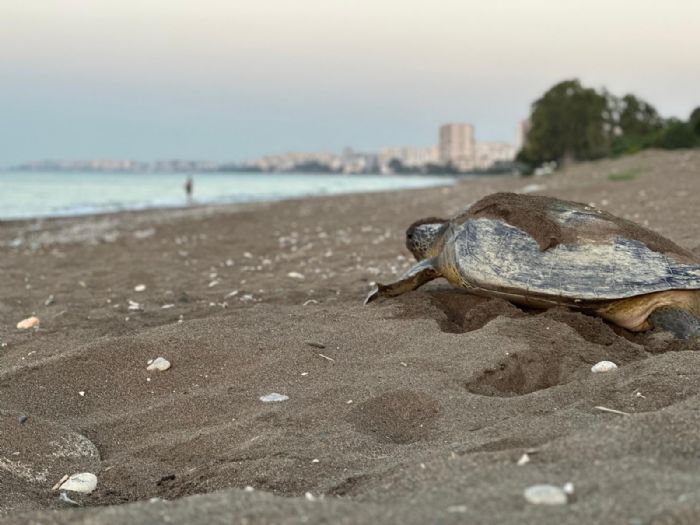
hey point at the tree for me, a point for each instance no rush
(572, 122)
(636, 124)
(694, 121)
(637, 117)
(396, 166)
(569, 122)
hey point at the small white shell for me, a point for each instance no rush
(29, 322)
(603, 366)
(139, 287)
(545, 495)
(159, 363)
(84, 482)
(273, 398)
(65, 499)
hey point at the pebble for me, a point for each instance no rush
(49, 301)
(159, 363)
(603, 366)
(139, 287)
(134, 306)
(545, 495)
(273, 398)
(295, 275)
(84, 482)
(29, 322)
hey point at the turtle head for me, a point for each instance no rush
(424, 238)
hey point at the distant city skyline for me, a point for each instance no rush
(222, 81)
(455, 149)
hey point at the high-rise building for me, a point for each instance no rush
(457, 145)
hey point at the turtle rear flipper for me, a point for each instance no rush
(680, 322)
(417, 276)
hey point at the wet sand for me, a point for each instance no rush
(410, 410)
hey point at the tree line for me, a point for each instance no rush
(571, 122)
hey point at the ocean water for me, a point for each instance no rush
(41, 194)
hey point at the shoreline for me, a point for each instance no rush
(400, 182)
(167, 213)
(411, 410)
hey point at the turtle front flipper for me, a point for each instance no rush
(680, 322)
(417, 276)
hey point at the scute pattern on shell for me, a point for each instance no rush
(492, 255)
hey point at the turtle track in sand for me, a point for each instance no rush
(558, 353)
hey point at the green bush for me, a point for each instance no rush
(676, 135)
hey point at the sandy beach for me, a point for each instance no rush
(410, 410)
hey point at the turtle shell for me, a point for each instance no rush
(544, 250)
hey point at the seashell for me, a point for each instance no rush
(524, 459)
(273, 398)
(159, 363)
(29, 322)
(65, 499)
(545, 495)
(84, 482)
(603, 366)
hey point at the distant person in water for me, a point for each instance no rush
(188, 189)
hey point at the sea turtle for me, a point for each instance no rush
(542, 252)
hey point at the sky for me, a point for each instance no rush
(235, 79)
